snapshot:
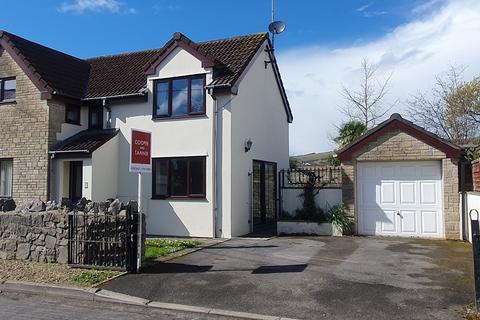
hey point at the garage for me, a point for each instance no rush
(400, 180)
(400, 198)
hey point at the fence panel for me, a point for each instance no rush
(103, 240)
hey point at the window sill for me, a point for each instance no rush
(189, 116)
(8, 102)
(73, 123)
(179, 198)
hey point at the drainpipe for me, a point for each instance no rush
(214, 164)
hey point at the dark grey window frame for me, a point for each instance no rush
(79, 110)
(188, 195)
(189, 113)
(2, 90)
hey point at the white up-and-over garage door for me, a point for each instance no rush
(400, 198)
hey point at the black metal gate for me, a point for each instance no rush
(104, 240)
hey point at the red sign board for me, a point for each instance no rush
(141, 151)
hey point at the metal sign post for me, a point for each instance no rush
(140, 162)
(476, 255)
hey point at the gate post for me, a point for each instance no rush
(476, 256)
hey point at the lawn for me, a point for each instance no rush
(156, 248)
(52, 273)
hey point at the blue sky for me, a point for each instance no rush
(320, 52)
(96, 27)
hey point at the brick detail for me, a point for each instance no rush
(25, 134)
(476, 175)
(397, 145)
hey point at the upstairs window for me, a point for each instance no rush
(179, 97)
(8, 89)
(72, 114)
(95, 117)
(6, 166)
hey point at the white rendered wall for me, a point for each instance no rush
(105, 171)
(68, 130)
(325, 199)
(61, 177)
(473, 202)
(258, 113)
(170, 138)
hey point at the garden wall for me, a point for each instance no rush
(326, 198)
(35, 231)
(34, 236)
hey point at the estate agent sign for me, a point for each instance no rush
(140, 151)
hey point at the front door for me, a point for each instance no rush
(76, 168)
(264, 195)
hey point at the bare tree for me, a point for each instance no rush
(444, 110)
(367, 104)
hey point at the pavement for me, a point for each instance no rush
(21, 306)
(315, 278)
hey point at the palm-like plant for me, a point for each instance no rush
(349, 132)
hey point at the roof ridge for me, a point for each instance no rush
(122, 54)
(161, 48)
(10, 35)
(264, 33)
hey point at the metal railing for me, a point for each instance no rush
(322, 176)
(103, 240)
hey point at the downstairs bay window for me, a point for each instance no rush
(179, 177)
(6, 168)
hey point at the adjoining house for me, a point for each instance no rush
(401, 180)
(217, 110)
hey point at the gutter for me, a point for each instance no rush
(53, 153)
(138, 94)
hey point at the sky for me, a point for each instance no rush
(320, 51)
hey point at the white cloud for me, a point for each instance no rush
(80, 6)
(415, 52)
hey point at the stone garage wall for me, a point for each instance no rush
(34, 236)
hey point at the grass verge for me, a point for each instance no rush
(155, 248)
(52, 273)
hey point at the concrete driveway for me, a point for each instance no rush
(316, 278)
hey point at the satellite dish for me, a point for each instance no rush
(277, 27)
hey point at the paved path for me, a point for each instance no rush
(316, 278)
(32, 307)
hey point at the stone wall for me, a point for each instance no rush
(34, 236)
(397, 145)
(27, 130)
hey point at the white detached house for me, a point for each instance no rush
(219, 118)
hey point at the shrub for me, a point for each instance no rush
(338, 217)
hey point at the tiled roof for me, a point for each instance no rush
(56, 73)
(125, 73)
(64, 74)
(85, 141)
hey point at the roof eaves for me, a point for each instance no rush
(45, 89)
(180, 40)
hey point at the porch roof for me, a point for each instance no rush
(85, 142)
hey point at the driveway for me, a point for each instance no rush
(316, 278)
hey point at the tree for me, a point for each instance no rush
(367, 104)
(451, 108)
(349, 132)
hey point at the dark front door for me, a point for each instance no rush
(264, 195)
(76, 168)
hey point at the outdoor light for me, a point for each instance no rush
(248, 145)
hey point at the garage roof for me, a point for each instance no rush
(396, 122)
